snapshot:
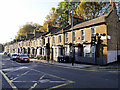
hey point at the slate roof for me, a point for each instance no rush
(91, 22)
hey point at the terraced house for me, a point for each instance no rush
(95, 41)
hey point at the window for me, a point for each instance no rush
(82, 35)
(34, 43)
(93, 32)
(59, 51)
(27, 43)
(55, 52)
(65, 50)
(53, 40)
(40, 41)
(66, 37)
(23, 55)
(76, 51)
(87, 51)
(59, 38)
(37, 42)
(74, 36)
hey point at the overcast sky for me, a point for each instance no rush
(15, 13)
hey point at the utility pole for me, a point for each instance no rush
(73, 52)
(72, 37)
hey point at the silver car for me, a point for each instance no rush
(13, 56)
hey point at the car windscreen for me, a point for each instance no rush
(23, 56)
(14, 54)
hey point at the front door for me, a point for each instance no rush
(51, 53)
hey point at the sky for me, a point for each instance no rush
(16, 13)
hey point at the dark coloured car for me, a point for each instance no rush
(22, 58)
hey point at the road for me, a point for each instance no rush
(45, 76)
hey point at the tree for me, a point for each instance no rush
(51, 18)
(60, 15)
(5, 44)
(17, 36)
(90, 10)
(27, 28)
(63, 11)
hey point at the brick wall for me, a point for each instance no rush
(112, 30)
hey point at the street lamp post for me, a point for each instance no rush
(73, 52)
(72, 38)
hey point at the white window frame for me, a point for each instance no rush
(34, 43)
(82, 35)
(87, 51)
(74, 37)
(94, 31)
(40, 42)
(66, 37)
(65, 50)
(53, 39)
(37, 42)
(56, 52)
(60, 39)
(59, 51)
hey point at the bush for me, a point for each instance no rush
(39, 57)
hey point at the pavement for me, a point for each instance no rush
(110, 67)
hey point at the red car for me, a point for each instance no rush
(22, 58)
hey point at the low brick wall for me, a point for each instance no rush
(90, 60)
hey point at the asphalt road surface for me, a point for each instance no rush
(31, 75)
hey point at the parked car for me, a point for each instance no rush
(9, 54)
(5, 53)
(13, 56)
(22, 58)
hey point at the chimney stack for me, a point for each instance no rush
(76, 19)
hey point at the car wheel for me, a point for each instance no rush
(20, 61)
(17, 60)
